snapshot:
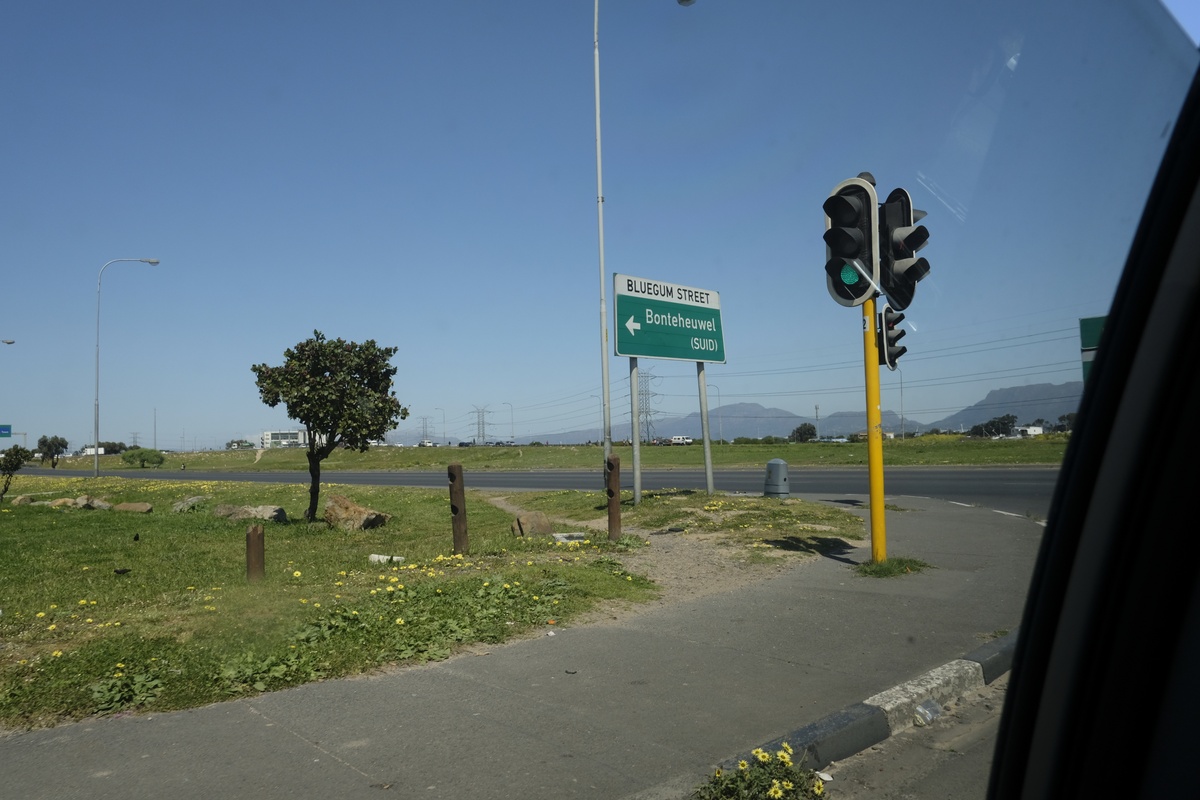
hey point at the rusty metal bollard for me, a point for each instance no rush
(458, 508)
(256, 560)
(612, 483)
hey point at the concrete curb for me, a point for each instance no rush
(862, 725)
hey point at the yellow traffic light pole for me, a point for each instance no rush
(874, 433)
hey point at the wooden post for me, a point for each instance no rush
(612, 482)
(255, 554)
(458, 508)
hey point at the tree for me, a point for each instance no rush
(997, 426)
(142, 456)
(340, 391)
(113, 448)
(51, 447)
(10, 463)
(804, 432)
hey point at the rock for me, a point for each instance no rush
(341, 512)
(136, 508)
(21, 500)
(532, 523)
(189, 504)
(62, 502)
(92, 503)
(269, 513)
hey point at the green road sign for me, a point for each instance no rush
(5, 431)
(1090, 329)
(665, 320)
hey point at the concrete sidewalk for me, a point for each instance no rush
(644, 708)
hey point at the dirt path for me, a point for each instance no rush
(683, 565)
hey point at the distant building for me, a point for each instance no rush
(284, 439)
(1029, 430)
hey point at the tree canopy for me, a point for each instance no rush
(340, 391)
(804, 432)
(11, 462)
(141, 456)
(51, 447)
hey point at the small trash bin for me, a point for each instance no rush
(777, 479)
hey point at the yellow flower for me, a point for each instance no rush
(742, 765)
(718, 773)
(818, 787)
(763, 756)
(56, 653)
(788, 749)
(296, 574)
(788, 785)
(51, 627)
(775, 791)
(40, 614)
(399, 620)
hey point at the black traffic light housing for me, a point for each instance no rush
(900, 239)
(852, 241)
(888, 333)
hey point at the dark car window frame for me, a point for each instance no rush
(1100, 696)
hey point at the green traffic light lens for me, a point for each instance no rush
(849, 274)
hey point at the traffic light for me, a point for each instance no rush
(852, 241)
(900, 239)
(888, 333)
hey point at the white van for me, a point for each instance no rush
(681, 440)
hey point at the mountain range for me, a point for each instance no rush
(1043, 401)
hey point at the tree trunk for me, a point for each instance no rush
(314, 489)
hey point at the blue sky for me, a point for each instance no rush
(423, 174)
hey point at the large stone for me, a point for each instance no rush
(92, 503)
(136, 508)
(190, 504)
(269, 513)
(532, 523)
(21, 500)
(341, 512)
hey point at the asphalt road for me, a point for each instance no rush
(1026, 491)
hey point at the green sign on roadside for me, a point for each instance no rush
(5, 431)
(655, 319)
(1090, 329)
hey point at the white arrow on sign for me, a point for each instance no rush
(633, 326)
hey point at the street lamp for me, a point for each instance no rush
(96, 427)
(443, 424)
(512, 429)
(606, 410)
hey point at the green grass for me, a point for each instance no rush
(940, 450)
(750, 520)
(892, 567)
(180, 626)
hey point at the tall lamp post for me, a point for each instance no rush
(443, 424)
(96, 426)
(512, 428)
(606, 409)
